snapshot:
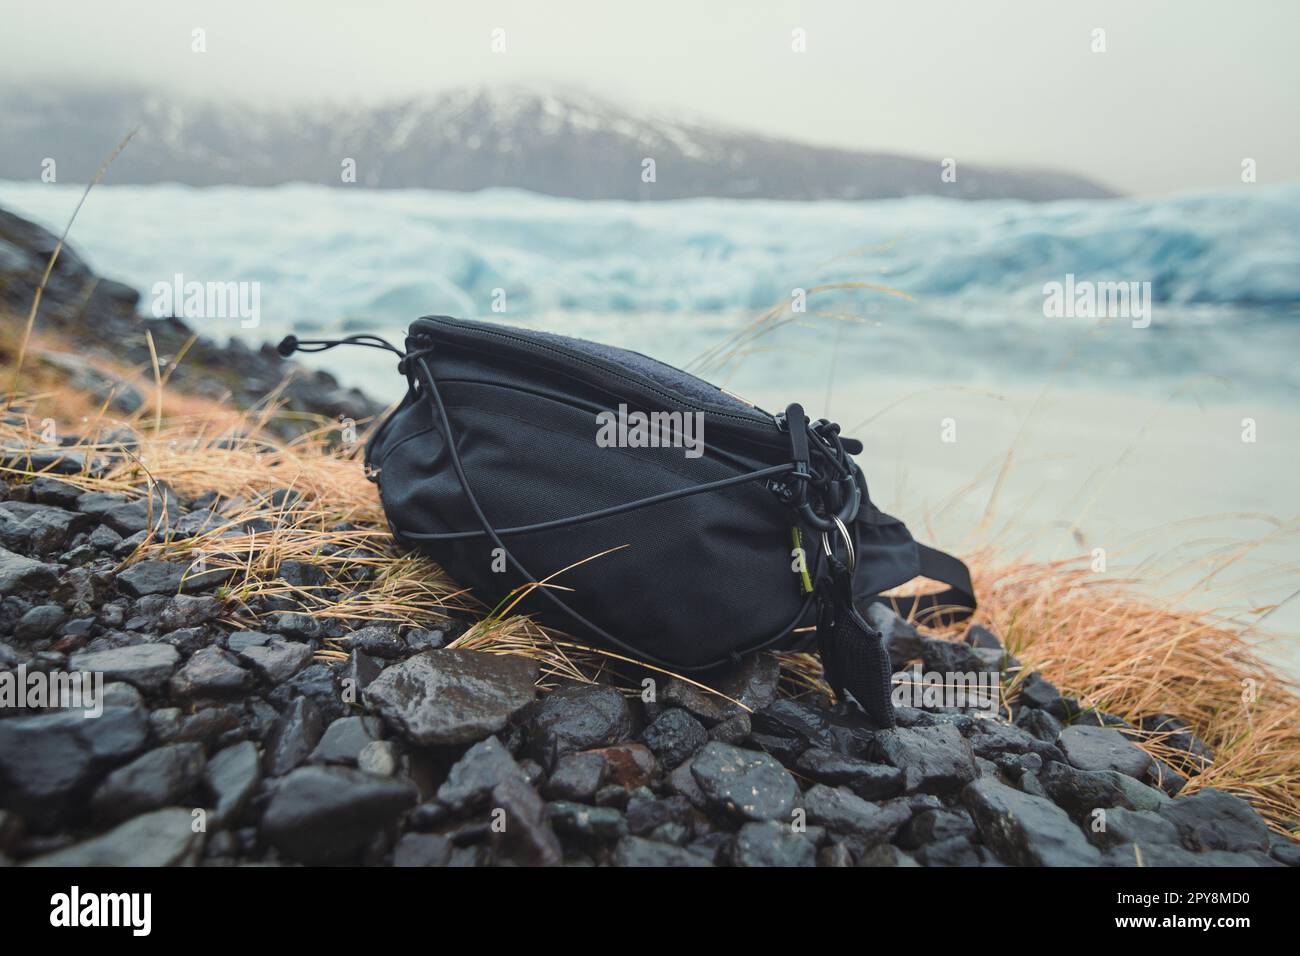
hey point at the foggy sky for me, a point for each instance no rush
(1184, 91)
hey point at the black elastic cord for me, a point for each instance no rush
(431, 389)
(291, 343)
(606, 512)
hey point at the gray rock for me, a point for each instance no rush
(1216, 820)
(424, 639)
(994, 738)
(786, 728)
(378, 640)
(1168, 855)
(345, 738)
(381, 757)
(589, 823)
(526, 837)
(315, 682)
(1038, 692)
(1165, 778)
(937, 759)
(146, 666)
(165, 723)
(1040, 724)
(356, 675)
(452, 696)
(422, 849)
(576, 777)
(871, 781)
(733, 730)
(1026, 830)
(954, 851)
(231, 777)
(474, 775)
(48, 761)
(841, 811)
(187, 610)
(935, 826)
(187, 640)
(121, 694)
(40, 622)
(20, 574)
(162, 838)
(39, 529)
(1119, 826)
(1178, 734)
(295, 625)
(674, 736)
(743, 782)
(324, 815)
(640, 852)
(129, 516)
(168, 577)
(646, 814)
(752, 683)
(1101, 748)
(293, 737)
(1283, 850)
(303, 575)
(886, 854)
(149, 782)
(772, 844)
(210, 672)
(104, 538)
(11, 831)
(240, 641)
(682, 782)
(1082, 791)
(979, 636)
(574, 718)
(953, 657)
(278, 659)
(902, 640)
(51, 491)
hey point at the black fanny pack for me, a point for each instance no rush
(690, 527)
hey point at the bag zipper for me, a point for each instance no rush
(761, 419)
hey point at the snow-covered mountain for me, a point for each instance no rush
(560, 144)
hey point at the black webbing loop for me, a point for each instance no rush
(940, 608)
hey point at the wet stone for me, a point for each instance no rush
(293, 737)
(344, 739)
(472, 778)
(324, 815)
(674, 736)
(452, 696)
(1026, 830)
(743, 782)
(937, 758)
(1102, 748)
(576, 777)
(772, 844)
(146, 666)
(210, 672)
(151, 781)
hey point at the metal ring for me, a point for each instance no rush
(848, 542)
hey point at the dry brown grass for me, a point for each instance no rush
(1131, 655)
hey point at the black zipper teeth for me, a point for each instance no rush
(571, 356)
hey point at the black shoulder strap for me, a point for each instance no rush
(939, 608)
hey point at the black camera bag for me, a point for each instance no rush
(699, 529)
